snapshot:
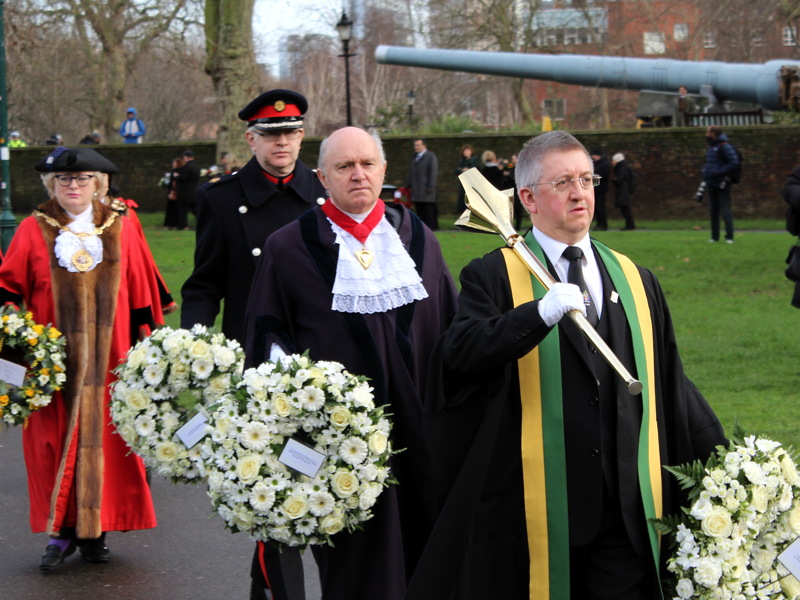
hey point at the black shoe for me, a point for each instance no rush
(53, 557)
(95, 551)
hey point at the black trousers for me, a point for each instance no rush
(277, 574)
(610, 568)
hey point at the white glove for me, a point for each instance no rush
(560, 299)
(276, 353)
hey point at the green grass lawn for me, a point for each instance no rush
(729, 303)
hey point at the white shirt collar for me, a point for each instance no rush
(554, 249)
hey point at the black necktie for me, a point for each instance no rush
(575, 275)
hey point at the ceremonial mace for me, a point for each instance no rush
(490, 211)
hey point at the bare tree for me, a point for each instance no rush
(231, 64)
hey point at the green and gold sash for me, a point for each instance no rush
(543, 454)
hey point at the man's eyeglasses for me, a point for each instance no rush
(275, 135)
(66, 180)
(562, 185)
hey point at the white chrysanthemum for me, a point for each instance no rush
(320, 503)
(262, 497)
(202, 368)
(144, 425)
(255, 436)
(306, 526)
(353, 451)
(153, 374)
(314, 398)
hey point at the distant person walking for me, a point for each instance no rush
(422, 182)
(468, 161)
(187, 178)
(602, 167)
(132, 129)
(623, 188)
(721, 161)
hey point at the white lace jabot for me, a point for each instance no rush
(391, 281)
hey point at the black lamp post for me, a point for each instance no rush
(8, 224)
(410, 97)
(345, 29)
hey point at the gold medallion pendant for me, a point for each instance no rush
(82, 260)
(364, 257)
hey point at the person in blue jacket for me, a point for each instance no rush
(721, 161)
(132, 129)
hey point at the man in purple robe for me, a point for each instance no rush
(364, 284)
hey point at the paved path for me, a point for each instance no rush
(189, 556)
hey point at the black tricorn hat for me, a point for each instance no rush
(276, 109)
(74, 160)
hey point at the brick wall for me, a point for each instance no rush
(667, 162)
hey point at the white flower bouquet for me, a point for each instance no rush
(330, 416)
(162, 381)
(744, 511)
(41, 349)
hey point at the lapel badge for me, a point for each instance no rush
(614, 297)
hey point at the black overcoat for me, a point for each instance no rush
(291, 305)
(235, 216)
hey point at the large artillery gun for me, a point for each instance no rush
(773, 85)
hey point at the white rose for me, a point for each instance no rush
(378, 442)
(340, 417)
(281, 406)
(136, 357)
(247, 468)
(794, 519)
(136, 400)
(199, 349)
(295, 506)
(344, 483)
(717, 523)
(760, 498)
(788, 470)
(332, 523)
(684, 589)
(166, 452)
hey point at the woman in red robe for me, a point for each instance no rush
(80, 265)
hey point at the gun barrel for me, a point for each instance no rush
(758, 83)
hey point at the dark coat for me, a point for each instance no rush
(721, 159)
(479, 548)
(791, 194)
(422, 176)
(186, 179)
(622, 182)
(236, 214)
(291, 306)
(602, 167)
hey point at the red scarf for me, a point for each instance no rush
(360, 231)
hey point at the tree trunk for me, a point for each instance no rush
(232, 67)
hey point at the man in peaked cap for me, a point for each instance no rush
(235, 216)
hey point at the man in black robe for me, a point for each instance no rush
(364, 284)
(235, 215)
(549, 468)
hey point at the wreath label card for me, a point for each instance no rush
(302, 458)
(790, 558)
(193, 431)
(12, 373)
